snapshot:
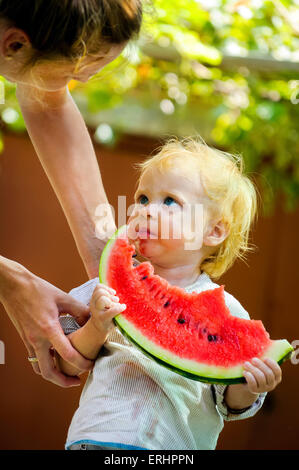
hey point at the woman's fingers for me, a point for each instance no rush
(31, 353)
(63, 346)
(49, 370)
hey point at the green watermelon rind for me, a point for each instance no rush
(279, 350)
(106, 251)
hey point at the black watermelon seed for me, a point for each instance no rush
(144, 277)
(166, 304)
(181, 319)
(134, 256)
(212, 338)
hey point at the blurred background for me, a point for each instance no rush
(227, 70)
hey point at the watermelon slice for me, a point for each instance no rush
(192, 334)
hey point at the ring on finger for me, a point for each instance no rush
(32, 359)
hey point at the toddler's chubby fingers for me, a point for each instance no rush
(267, 371)
(103, 287)
(104, 307)
(113, 311)
(103, 291)
(262, 375)
(255, 377)
(275, 368)
(103, 302)
(251, 381)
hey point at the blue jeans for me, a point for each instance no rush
(92, 447)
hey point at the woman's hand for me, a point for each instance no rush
(104, 306)
(34, 306)
(262, 375)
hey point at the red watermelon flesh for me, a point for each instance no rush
(193, 334)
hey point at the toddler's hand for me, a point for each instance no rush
(262, 375)
(104, 306)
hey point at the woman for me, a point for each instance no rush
(43, 45)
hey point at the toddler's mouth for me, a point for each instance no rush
(144, 232)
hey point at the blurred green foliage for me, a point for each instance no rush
(229, 69)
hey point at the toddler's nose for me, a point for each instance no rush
(152, 210)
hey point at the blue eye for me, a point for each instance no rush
(169, 200)
(143, 199)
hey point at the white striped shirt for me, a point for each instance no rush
(130, 401)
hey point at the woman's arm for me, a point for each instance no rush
(65, 150)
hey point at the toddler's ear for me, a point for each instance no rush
(216, 234)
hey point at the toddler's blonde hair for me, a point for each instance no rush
(233, 194)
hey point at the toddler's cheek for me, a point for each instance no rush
(131, 229)
(170, 226)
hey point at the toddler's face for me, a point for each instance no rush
(167, 222)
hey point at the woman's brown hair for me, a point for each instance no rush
(70, 28)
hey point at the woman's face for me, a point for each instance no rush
(55, 75)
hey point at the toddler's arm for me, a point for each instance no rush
(89, 339)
